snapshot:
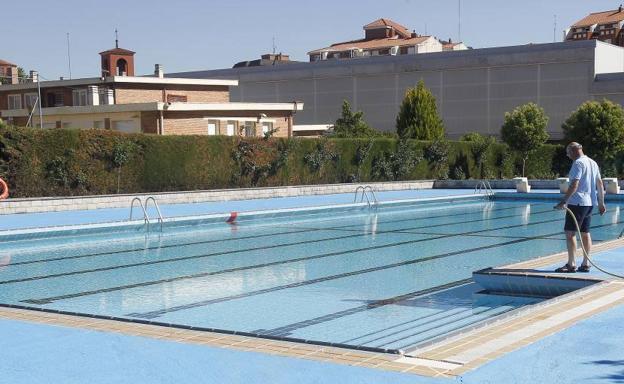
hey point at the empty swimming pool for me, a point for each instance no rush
(388, 279)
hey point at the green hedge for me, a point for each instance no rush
(59, 162)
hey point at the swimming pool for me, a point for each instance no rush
(385, 279)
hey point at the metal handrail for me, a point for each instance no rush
(160, 216)
(372, 192)
(367, 192)
(486, 187)
(356, 193)
(145, 216)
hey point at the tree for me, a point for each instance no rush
(352, 124)
(479, 148)
(524, 130)
(599, 127)
(418, 116)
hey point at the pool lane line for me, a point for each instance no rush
(160, 312)
(446, 322)
(442, 313)
(344, 227)
(438, 334)
(287, 329)
(49, 300)
(303, 230)
(221, 253)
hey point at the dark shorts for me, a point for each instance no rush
(583, 216)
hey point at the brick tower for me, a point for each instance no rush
(117, 61)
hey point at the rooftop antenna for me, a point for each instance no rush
(274, 47)
(68, 57)
(459, 20)
(555, 29)
(116, 39)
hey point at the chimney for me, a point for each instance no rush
(14, 75)
(34, 76)
(620, 8)
(158, 71)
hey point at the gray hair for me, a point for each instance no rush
(575, 145)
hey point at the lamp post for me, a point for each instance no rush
(39, 99)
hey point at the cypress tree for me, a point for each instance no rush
(418, 116)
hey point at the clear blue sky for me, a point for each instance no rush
(191, 34)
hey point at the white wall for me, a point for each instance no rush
(609, 58)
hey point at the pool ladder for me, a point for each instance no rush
(484, 186)
(146, 217)
(368, 193)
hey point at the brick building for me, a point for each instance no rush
(8, 73)
(604, 26)
(155, 104)
(384, 37)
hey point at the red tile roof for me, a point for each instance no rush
(371, 44)
(382, 23)
(119, 51)
(3, 62)
(606, 17)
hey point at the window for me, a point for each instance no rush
(266, 128)
(98, 124)
(248, 129)
(128, 126)
(122, 67)
(212, 127)
(230, 128)
(177, 98)
(15, 101)
(79, 97)
(54, 99)
(30, 99)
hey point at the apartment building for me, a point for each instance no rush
(119, 100)
(604, 26)
(384, 37)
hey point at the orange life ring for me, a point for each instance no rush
(5, 190)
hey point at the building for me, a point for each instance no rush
(450, 45)
(155, 104)
(383, 37)
(473, 88)
(604, 26)
(8, 73)
(267, 59)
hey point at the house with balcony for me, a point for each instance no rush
(119, 100)
(384, 37)
(604, 26)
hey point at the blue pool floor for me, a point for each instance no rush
(78, 217)
(35, 353)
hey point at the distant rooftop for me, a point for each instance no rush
(604, 17)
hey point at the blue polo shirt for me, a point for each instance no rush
(586, 171)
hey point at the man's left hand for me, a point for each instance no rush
(602, 209)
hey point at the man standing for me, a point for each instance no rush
(584, 192)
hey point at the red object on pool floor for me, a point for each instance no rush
(232, 218)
